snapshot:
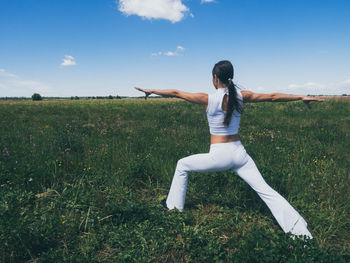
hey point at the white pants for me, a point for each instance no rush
(232, 155)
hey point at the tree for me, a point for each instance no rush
(36, 96)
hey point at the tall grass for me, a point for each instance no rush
(81, 181)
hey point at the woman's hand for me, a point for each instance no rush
(307, 100)
(146, 91)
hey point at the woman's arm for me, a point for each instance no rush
(200, 98)
(249, 96)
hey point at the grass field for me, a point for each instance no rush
(81, 181)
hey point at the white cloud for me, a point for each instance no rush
(68, 61)
(178, 52)
(12, 85)
(3, 73)
(308, 85)
(314, 88)
(157, 54)
(180, 48)
(170, 54)
(346, 82)
(207, 1)
(172, 10)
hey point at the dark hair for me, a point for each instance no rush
(224, 72)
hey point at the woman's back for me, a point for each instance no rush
(216, 113)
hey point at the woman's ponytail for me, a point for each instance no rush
(233, 103)
(224, 71)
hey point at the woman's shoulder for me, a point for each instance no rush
(246, 94)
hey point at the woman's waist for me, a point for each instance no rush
(223, 138)
(219, 128)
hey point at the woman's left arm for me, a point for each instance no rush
(199, 98)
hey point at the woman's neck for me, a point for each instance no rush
(221, 86)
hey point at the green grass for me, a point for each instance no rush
(81, 181)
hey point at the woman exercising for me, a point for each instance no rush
(224, 108)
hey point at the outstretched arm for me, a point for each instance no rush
(200, 98)
(249, 96)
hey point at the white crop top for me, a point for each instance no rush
(216, 115)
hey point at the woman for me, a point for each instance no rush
(224, 108)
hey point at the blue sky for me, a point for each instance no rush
(103, 47)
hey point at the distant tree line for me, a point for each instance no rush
(38, 97)
(14, 98)
(96, 97)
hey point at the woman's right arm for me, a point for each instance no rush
(249, 96)
(199, 98)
